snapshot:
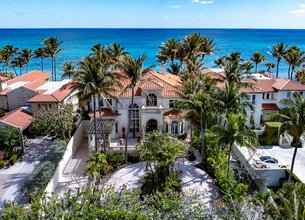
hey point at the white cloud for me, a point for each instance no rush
(200, 16)
(206, 2)
(195, 0)
(300, 11)
(174, 6)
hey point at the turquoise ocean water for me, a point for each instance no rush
(77, 42)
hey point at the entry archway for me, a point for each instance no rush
(151, 125)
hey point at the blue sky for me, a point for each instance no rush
(152, 13)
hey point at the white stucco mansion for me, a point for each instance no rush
(153, 108)
(155, 98)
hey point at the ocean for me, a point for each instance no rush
(77, 42)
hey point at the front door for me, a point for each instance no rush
(152, 125)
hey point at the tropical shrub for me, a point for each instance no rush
(53, 121)
(9, 138)
(97, 166)
(2, 164)
(44, 171)
(13, 159)
(271, 134)
(114, 159)
(160, 151)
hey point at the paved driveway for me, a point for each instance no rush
(13, 178)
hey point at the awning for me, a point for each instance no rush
(270, 107)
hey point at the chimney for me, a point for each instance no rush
(163, 68)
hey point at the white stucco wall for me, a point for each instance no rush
(18, 97)
(3, 102)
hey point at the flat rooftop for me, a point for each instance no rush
(283, 154)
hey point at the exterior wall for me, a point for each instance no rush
(72, 147)
(3, 102)
(146, 112)
(257, 111)
(72, 99)
(36, 106)
(18, 97)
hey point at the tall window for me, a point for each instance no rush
(166, 128)
(253, 99)
(174, 127)
(288, 95)
(135, 118)
(181, 128)
(151, 100)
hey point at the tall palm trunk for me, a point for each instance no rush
(292, 71)
(289, 67)
(15, 71)
(27, 66)
(94, 119)
(103, 133)
(255, 68)
(52, 64)
(20, 71)
(55, 68)
(297, 142)
(41, 64)
(129, 123)
(277, 68)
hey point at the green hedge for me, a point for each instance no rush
(44, 171)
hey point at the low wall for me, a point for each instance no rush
(72, 147)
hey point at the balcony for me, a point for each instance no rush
(152, 109)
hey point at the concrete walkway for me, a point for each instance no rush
(13, 178)
(73, 176)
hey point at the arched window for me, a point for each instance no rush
(151, 100)
(135, 118)
(174, 127)
(181, 128)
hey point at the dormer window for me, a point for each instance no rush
(151, 100)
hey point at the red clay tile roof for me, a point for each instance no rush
(270, 107)
(170, 85)
(173, 114)
(2, 78)
(18, 118)
(30, 76)
(105, 112)
(57, 96)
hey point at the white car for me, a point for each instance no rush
(268, 162)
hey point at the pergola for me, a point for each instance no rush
(104, 128)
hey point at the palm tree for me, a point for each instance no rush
(170, 49)
(26, 54)
(270, 66)
(234, 57)
(198, 103)
(257, 58)
(278, 51)
(293, 121)
(235, 133)
(295, 58)
(40, 53)
(116, 52)
(8, 52)
(52, 49)
(207, 47)
(220, 62)
(134, 70)
(247, 66)
(68, 69)
(19, 62)
(174, 69)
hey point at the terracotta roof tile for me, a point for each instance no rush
(173, 114)
(30, 76)
(18, 118)
(2, 78)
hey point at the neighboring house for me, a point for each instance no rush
(266, 94)
(19, 118)
(14, 93)
(154, 107)
(51, 94)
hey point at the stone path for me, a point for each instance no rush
(73, 176)
(13, 178)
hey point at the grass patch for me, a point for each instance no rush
(44, 171)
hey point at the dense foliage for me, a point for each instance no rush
(44, 171)
(9, 138)
(53, 121)
(159, 151)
